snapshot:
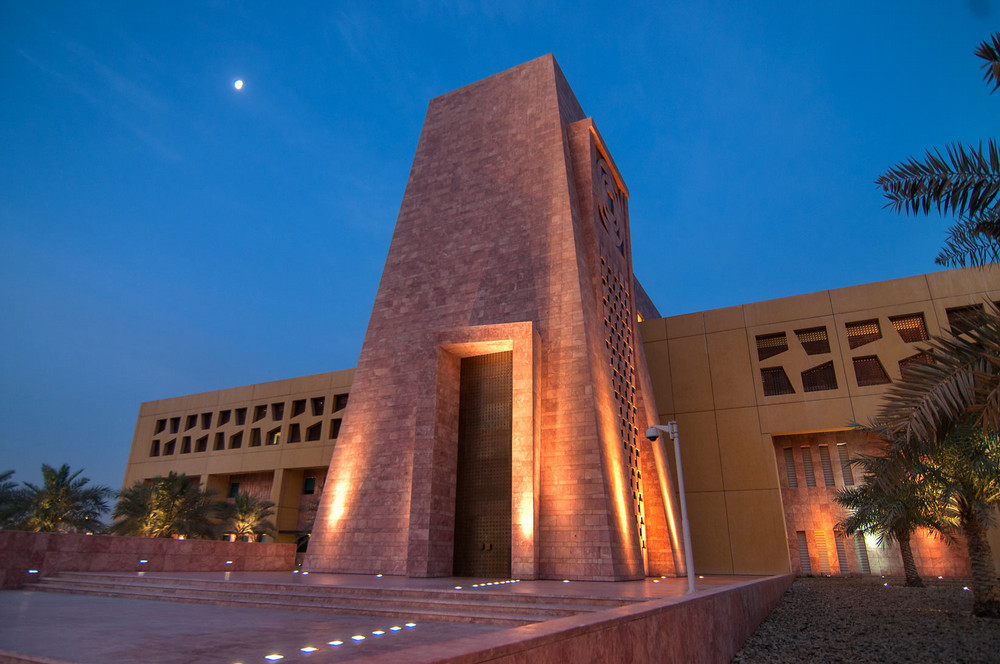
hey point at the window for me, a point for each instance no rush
(241, 416)
(175, 424)
(826, 464)
(863, 332)
(821, 552)
(192, 421)
(340, 401)
(234, 489)
(206, 421)
(800, 536)
(274, 436)
(963, 319)
(869, 371)
(220, 441)
(155, 449)
(201, 445)
(863, 563)
(161, 426)
(838, 541)
(845, 464)
(259, 412)
(807, 466)
(318, 403)
(776, 382)
(309, 486)
(334, 428)
(223, 417)
(814, 340)
(911, 327)
(769, 345)
(907, 361)
(314, 432)
(793, 480)
(168, 449)
(294, 433)
(298, 407)
(822, 377)
(277, 411)
(255, 437)
(236, 441)
(186, 445)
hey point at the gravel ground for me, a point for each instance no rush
(861, 620)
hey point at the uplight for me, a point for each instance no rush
(274, 658)
(335, 643)
(305, 573)
(458, 587)
(565, 580)
(378, 632)
(358, 637)
(308, 649)
(412, 625)
(965, 587)
(378, 576)
(656, 580)
(229, 562)
(32, 571)
(395, 628)
(143, 561)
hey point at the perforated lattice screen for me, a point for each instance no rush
(814, 340)
(911, 327)
(483, 483)
(863, 332)
(823, 377)
(769, 345)
(869, 371)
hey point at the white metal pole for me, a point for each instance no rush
(685, 525)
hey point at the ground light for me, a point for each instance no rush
(671, 430)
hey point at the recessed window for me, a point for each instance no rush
(274, 436)
(259, 412)
(793, 480)
(769, 345)
(911, 327)
(168, 449)
(869, 371)
(255, 437)
(161, 426)
(206, 421)
(186, 445)
(838, 541)
(201, 445)
(334, 428)
(814, 340)
(309, 486)
(236, 441)
(175, 424)
(294, 433)
(192, 422)
(807, 466)
(234, 489)
(340, 401)
(800, 538)
(277, 411)
(863, 332)
(154, 450)
(907, 361)
(220, 441)
(314, 432)
(318, 403)
(819, 378)
(821, 552)
(862, 549)
(224, 416)
(826, 464)
(963, 319)
(241, 416)
(845, 464)
(776, 382)
(298, 407)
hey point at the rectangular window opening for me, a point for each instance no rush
(838, 542)
(826, 464)
(298, 407)
(277, 411)
(241, 416)
(964, 319)
(804, 564)
(224, 416)
(845, 464)
(318, 403)
(175, 424)
(154, 450)
(819, 378)
(186, 445)
(862, 332)
(807, 466)
(775, 381)
(315, 432)
(769, 345)
(869, 371)
(295, 433)
(255, 437)
(168, 449)
(273, 437)
(201, 445)
(236, 441)
(907, 363)
(259, 412)
(821, 552)
(911, 327)
(814, 340)
(234, 490)
(192, 422)
(862, 550)
(206, 421)
(334, 428)
(340, 402)
(161, 426)
(793, 480)
(309, 486)
(220, 442)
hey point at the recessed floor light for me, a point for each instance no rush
(358, 637)
(308, 649)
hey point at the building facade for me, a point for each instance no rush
(496, 415)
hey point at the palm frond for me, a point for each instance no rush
(972, 241)
(964, 180)
(991, 54)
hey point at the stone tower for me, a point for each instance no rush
(495, 421)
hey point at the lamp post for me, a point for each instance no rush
(671, 430)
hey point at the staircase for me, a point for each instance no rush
(470, 606)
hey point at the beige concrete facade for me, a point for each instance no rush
(273, 440)
(717, 374)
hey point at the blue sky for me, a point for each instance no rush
(163, 234)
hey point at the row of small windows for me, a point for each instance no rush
(317, 406)
(257, 438)
(815, 341)
(868, 371)
(825, 464)
(823, 556)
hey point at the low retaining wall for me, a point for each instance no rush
(51, 553)
(708, 628)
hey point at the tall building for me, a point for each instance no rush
(496, 415)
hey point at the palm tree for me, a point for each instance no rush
(64, 502)
(247, 516)
(966, 472)
(11, 503)
(170, 506)
(891, 502)
(964, 181)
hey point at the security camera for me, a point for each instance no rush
(652, 433)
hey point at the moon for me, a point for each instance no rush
(238, 84)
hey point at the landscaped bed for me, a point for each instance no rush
(862, 620)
